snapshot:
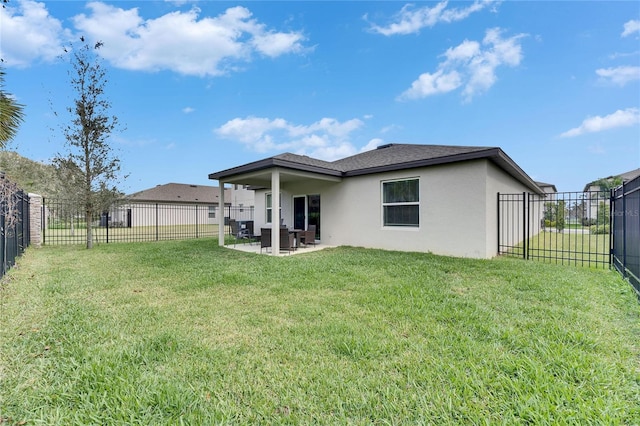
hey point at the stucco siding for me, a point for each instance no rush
(498, 181)
(452, 212)
(457, 214)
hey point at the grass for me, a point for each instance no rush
(61, 236)
(571, 248)
(187, 332)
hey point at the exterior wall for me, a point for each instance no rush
(458, 209)
(288, 190)
(499, 181)
(147, 214)
(241, 196)
(452, 212)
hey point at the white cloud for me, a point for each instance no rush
(409, 20)
(373, 144)
(630, 27)
(35, 35)
(182, 42)
(470, 64)
(327, 139)
(619, 75)
(620, 118)
(274, 44)
(188, 110)
(432, 84)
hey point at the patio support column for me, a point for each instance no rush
(221, 214)
(275, 212)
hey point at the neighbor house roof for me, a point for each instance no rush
(180, 193)
(626, 177)
(384, 158)
(544, 185)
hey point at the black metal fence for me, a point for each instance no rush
(626, 231)
(64, 222)
(14, 234)
(570, 228)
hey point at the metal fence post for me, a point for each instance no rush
(498, 227)
(612, 212)
(524, 225)
(624, 230)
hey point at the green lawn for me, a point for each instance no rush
(571, 248)
(61, 236)
(190, 333)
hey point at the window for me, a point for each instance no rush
(269, 208)
(269, 205)
(401, 203)
(212, 212)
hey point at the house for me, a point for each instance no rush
(172, 204)
(547, 188)
(427, 198)
(596, 196)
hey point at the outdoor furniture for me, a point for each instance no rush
(265, 238)
(309, 236)
(241, 231)
(286, 240)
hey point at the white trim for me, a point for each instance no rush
(407, 203)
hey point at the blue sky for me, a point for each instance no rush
(202, 86)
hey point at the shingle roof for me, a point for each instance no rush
(401, 154)
(178, 192)
(385, 158)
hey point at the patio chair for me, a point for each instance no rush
(241, 232)
(309, 236)
(286, 240)
(265, 238)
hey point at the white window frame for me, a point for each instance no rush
(403, 203)
(269, 208)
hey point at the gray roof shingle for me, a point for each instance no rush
(385, 158)
(179, 193)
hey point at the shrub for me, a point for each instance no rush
(588, 221)
(599, 229)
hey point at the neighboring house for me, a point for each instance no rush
(427, 198)
(170, 204)
(594, 195)
(548, 188)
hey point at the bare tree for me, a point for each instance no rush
(9, 213)
(90, 159)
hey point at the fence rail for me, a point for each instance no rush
(63, 221)
(626, 231)
(571, 228)
(14, 237)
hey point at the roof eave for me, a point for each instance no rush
(270, 163)
(494, 154)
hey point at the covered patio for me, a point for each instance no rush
(273, 174)
(255, 248)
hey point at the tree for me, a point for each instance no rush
(11, 114)
(605, 185)
(90, 159)
(554, 214)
